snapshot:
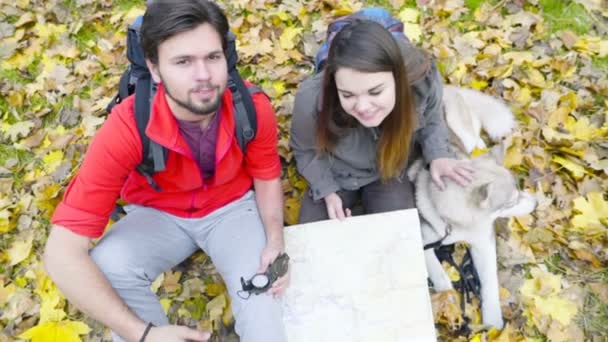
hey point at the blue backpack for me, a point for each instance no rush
(377, 14)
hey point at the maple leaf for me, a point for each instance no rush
(592, 213)
(287, 39)
(65, 331)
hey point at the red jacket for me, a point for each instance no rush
(108, 169)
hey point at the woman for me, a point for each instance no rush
(357, 123)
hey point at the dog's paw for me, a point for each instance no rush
(493, 318)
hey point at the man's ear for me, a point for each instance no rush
(481, 196)
(153, 71)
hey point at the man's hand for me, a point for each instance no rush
(459, 171)
(269, 253)
(335, 210)
(175, 333)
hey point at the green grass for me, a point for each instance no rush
(565, 15)
(601, 64)
(86, 34)
(467, 19)
(387, 4)
(125, 5)
(8, 152)
(13, 76)
(593, 318)
(472, 5)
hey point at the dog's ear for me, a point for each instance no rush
(481, 196)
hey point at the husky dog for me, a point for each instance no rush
(468, 213)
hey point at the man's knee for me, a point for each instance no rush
(259, 318)
(117, 262)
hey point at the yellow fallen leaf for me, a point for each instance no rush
(452, 272)
(501, 71)
(133, 13)
(26, 18)
(292, 210)
(603, 52)
(281, 16)
(47, 30)
(513, 157)
(479, 85)
(558, 308)
(171, 282)
(479, 152)
(52, 160)
(558, 116)
(166, 304)
(262, 47)
(446, 308)
(48, 313)
(157, 283)
(279, 88)
(214, 289)
(582, 128)
(19, 250)
(535, 78)
(90, 124)
(477, 338)
(524, 96)
(5, 223)
(555, 137)
(576, 170)
(287, 41)
(215, 308)
(519, 57)
(413, 31)
(409, 15)
(592, 213)
(23, 4)
(15, 99)
(542, 283)
(345, 8)
(6, 292)
(66, 331)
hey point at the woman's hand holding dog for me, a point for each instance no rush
(458, 170)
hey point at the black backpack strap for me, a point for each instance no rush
(245, 114)
(153, 154)
(244, 110)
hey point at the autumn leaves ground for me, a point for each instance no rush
(61, 61)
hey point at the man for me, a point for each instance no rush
(205, 200)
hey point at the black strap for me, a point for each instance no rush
(153, 154)
(117, 213)
(244, 110)
(148, 327)
(437, 244)
(469, 284)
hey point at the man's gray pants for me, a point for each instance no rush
(147, 242)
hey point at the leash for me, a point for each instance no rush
(469, 284)
(437, 244)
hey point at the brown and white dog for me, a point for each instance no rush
(468, 213)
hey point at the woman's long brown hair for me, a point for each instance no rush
(367, 46)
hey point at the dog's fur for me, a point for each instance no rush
(470, 211)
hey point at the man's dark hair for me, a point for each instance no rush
(166, 18)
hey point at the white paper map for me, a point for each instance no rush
(362, 279)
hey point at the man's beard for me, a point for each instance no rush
(204, 108)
